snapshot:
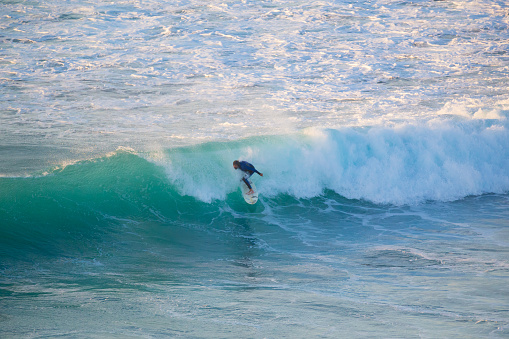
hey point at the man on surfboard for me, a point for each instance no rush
(248, 170)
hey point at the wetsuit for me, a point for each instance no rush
(249, 170)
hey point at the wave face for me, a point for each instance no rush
(400, 166)
(403, 165)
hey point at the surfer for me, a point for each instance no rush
(248, 170)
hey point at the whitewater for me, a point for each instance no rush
(381, 128)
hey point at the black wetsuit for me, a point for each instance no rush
(249, 170)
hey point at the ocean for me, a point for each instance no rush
(381, 128)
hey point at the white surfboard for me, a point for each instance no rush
(251, 198)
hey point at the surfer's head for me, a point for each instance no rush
(236, 164)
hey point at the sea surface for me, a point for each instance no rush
(381, 128)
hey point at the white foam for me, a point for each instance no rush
(406, 164)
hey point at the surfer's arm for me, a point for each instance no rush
(245, 166)
(261, 174)
(253, 169)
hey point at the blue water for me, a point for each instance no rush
(381, 128)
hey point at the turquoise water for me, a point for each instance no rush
(114, 247)
(381, 129)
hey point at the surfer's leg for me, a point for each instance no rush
(247, 183)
